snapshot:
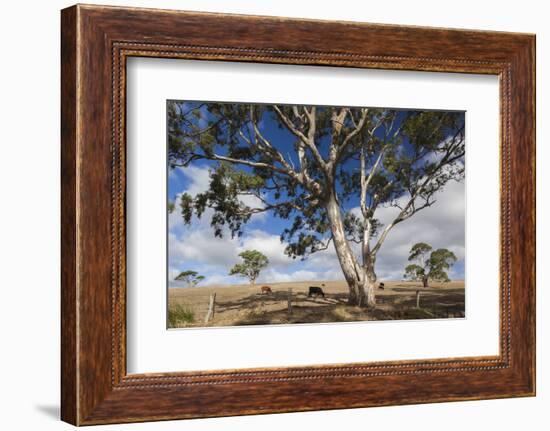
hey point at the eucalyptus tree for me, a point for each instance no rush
(253, 261)
(189, 277)
(430, 264)
(327, 170)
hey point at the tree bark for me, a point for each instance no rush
(425, 281)
(353, 272)
(369, 280)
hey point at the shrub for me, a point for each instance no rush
(178, 315)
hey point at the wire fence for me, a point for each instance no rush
(202, 309)
(199, 308)
(269, 305)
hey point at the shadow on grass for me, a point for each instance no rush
(396, 303)
(278, 297)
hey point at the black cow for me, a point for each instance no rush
(381, 286)
(315, 291)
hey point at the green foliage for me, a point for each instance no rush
(253, 262)
(419, 251)
(171, 207)
(432, 266)
(179, 316)
(419, 152)
(414, 272)
(190, 277)
(441, 260)
(227, 186)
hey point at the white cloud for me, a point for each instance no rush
(220, 279)
(442, 225)
(173, 273)
(198, 179)
(201, 246)
(272, 275)
(268, 244)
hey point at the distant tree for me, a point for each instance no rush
(253, 262)
(431, 265)
(329, 172)
(189, 277)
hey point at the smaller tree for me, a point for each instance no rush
(190, 277)
(253, 262)
(430, 265)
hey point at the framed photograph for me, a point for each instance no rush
(260, 217)
(293, 194)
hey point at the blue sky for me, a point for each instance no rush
(195, 247)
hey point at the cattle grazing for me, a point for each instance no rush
(266, 290)
(315, 291)
(381, 286)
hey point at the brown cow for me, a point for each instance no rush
(266, 290)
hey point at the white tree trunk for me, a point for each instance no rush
(353, 272)
(369, 286)
(369, 259)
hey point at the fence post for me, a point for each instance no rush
(418, 299)
(211, 305)
(289, 302)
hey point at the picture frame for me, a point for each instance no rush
(96, 42)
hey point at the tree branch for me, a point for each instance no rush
(269, 205)
(409, 209)
(309, 141)
(289, 124)
(325, 245)
(206, 129)
(356, 130)
(221, 158)
(337, 150)
(365, 181)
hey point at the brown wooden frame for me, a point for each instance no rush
(95, 43)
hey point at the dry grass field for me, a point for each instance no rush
(246, 305)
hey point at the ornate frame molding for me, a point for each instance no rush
(96, 41)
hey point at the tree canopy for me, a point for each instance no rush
(431, 264)
(252, 263)
(189, 277)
